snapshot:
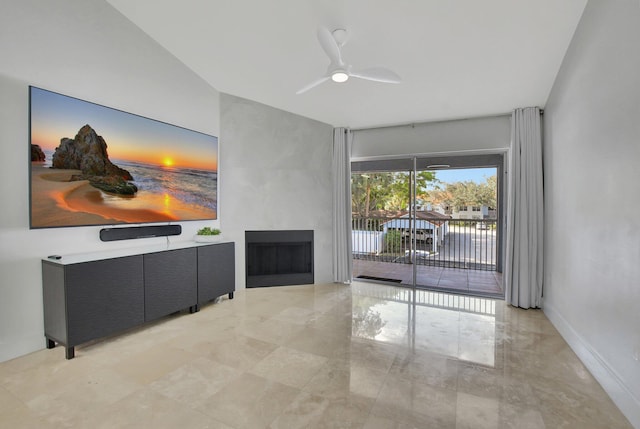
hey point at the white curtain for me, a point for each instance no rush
(523, 270)
(342, 265)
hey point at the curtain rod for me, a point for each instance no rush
(414, 124)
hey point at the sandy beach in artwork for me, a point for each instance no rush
(55, 201)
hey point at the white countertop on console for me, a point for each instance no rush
(77, 258)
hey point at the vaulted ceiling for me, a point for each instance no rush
(456, 58)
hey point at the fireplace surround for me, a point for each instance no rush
(279, 257)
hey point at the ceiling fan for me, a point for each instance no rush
(340, 71)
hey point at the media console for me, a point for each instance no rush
(93, 295)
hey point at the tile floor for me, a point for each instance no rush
(471, 282)
(324, 356)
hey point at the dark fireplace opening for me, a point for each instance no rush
(278, 258)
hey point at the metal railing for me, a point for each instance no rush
(449, 243)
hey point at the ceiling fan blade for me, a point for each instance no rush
(377, 74)
(329, 45)
(313, 84)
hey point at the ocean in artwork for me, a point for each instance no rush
(192, 187)
(164, 193)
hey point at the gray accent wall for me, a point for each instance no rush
(276, 175)
(592, 199)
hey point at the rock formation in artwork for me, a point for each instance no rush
(37, 155)
(87, 152)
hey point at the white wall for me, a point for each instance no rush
(592, 199)
(86, 49)
(464, 137)
(277, 175)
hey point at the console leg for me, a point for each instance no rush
(194, 309)
(50, 343)
(69, 352)
(230, 295)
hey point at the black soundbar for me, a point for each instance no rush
(131, 232)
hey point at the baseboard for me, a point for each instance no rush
(608, 378)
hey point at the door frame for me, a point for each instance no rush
(419, 162)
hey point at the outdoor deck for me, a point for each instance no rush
(470, 282)
(451, 255)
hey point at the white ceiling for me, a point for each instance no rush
(457, 58)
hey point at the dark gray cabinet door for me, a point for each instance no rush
(103, 297)
(55, 298)
(216, 271)
(170, 282)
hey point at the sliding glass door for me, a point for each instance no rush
(416, 225)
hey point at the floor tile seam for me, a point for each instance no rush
(20, 394)
(270, 382)
(4, 382)
(323, 329)
(242, 369)
(16, 398)
(168, 398)
(84, 412)
(245, 337)
(301, 349)
(345, 372)
(370, 412)
(220, 422)
(251, 371)
(14, 414)
(264, 358)
(400, 414)
(412, 378)
(303, 389)
(520, 407)
(413, 411)
(326, 397)
(203, 411)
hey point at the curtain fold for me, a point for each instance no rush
(341, 168)
(523, 275)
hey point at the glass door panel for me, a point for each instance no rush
(382, 222)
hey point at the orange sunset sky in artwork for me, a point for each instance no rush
(129, 137)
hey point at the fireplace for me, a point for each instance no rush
(279, 258)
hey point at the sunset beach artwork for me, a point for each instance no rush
(94, 165)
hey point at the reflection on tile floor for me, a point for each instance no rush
(472, 282)
(323, 356)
